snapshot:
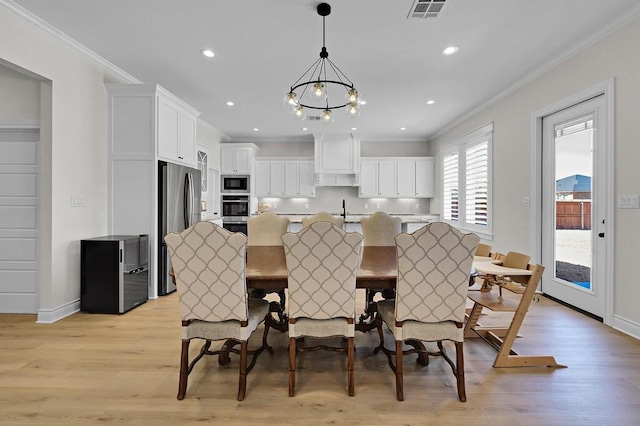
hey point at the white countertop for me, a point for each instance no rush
(355, 217)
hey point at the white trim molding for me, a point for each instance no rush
(628, 327)
(48, 316)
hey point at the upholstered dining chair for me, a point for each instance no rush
(379, 229)
(267, 229)
(322, 217)
(483, 250)
(322, 261)
(209, 267)
(431, 291)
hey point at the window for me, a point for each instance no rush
(466, 181)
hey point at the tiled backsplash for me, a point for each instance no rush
(329, 199)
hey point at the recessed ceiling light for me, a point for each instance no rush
(451, 50)
(255, 129)
(354, 128)
(208, 53)
(230, 103)
(304, 129)
(363, 102)
(431, 102)
(403, 128)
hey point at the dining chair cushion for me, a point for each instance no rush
(232, 329)
(217, 282)
(423, 331)
(322, 328)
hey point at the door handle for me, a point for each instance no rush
(601, 235)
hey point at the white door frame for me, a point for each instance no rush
(605, 88)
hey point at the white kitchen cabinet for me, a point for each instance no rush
(236, 160)
(387, 171)
(276, 179)
(176, 132)
(146, 123)
(284, 178)
(368, 178)
(261, 178)
(396, 177)
(424, 177)
(306, 186)
(406, 178)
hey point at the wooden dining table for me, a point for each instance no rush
(266, 269)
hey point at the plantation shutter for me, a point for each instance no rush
(477, 183)
(450, 186)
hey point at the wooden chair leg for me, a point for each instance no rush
(460, 372)
(292, 366)
(184, 369)
(399, 381)
(242, 385)
(350, 366)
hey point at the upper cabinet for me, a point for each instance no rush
(176, 132)
(237, 159)
(337, 159)
(410, 177)
(284, 178)
(146, 118)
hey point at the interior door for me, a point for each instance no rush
(19, 219)
(574, 179)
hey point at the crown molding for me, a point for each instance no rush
(21, 12)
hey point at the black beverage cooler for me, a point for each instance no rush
(114, 273)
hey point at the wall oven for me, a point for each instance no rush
(235, 212)
(235, 184)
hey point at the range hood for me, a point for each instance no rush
(337, 159)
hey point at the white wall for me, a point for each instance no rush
(73, 155)
(615, 56)
(19, 96)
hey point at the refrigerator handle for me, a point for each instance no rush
(192, 200)
(187, 201)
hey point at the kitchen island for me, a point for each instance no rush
(410, 222)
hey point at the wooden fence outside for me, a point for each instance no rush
(573, 214)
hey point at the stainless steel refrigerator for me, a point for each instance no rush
(179, 191)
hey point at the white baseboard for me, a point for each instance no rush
(48, 316)
(628, 327)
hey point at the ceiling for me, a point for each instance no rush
(262, 47)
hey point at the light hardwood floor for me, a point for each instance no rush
(123, 369)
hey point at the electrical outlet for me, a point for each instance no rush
(628, 202)
(526, 201)
(275, 205)
(306, 206)
(366, 206)
(417, 206)
(377, 205)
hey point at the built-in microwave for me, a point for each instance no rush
(236, 184)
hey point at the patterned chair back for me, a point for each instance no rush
(266, 229)
(323, 261)
(209, 264)
(380, 229)
(433, 273)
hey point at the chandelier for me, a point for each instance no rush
(322, 79)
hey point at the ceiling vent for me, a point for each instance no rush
(426, 8)
(313, 118)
